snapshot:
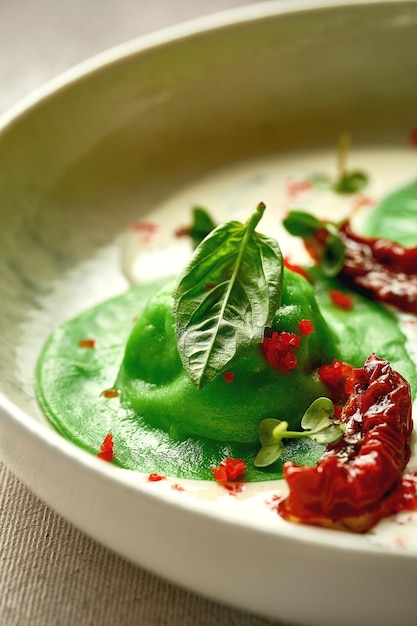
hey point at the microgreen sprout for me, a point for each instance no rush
(318, 424)
(348, 181)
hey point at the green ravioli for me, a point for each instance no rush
(160, 423)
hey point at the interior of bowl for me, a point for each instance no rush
(106, 147)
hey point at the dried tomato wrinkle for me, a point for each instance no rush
(350, 487)
(383, 268)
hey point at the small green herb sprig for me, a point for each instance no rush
(225, 297)
(318, 424)
(307, 226)
(347, 181)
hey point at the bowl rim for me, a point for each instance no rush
(46, 436)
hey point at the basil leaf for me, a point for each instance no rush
(302, 224)
(225, 297)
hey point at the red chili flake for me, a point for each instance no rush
(87, 343)
(209, 286)
(229, 377)
(234, 487)
(338, 377)
(229, 469)
(154, 478)
(362, 201)
(106, 450)
(219, 473)
(273, 503)
(340, 299)
(147, 230)
(413, 136)
(110, 393)
(295, 188)
(278, 349)
(296, 268)
(306, 327)
(177, 487)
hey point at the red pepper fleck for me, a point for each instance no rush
(273, 503)
(362, 201)
(147, 230)
(87, 343)
(229, 377)
(219, 473)
(295, 188)
(306, 327)
(413, 136)
(234, 487)
(209, 286)
(106, 449)
(278, 349)
(177, 487)
(298, 269)
(229, 469)
(356, 481)
(154, 478)
(340, 299)
(110, 393)
(337, 377)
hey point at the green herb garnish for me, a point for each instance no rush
(318, 423)
(326, 234)
(201, 226)
(348, 182)
(226, 296)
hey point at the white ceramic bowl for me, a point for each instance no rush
(105, 144)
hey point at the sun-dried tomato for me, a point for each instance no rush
(385, 270)
(352, 485)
